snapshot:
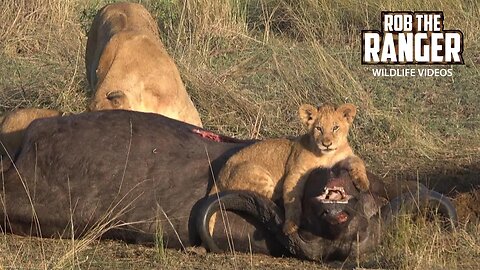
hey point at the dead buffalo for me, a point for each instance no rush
(132, 176)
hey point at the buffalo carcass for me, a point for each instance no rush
(130, 175)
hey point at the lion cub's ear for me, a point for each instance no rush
(348, 111)
(307, 113)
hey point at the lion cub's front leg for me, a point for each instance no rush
(292, 200)
(358, 172)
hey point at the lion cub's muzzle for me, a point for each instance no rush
(326, 147)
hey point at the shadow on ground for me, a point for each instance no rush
(458, 180)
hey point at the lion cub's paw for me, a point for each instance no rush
(360, 179)
(289, 227)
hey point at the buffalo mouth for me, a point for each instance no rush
(336, 216)
(334, 195)
(334, 199)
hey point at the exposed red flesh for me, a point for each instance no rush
(214, 136)
(341, 217)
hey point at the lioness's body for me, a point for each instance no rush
(278, 168)
(13, 125)
(129, 68)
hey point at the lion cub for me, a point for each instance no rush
(278, 168)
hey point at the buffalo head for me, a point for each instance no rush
(338, 220)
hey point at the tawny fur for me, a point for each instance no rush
(12, 128)
(278, 168)
(129, 68)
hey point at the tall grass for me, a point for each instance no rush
(417, 244)
(249, 64)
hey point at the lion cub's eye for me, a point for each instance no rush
(335, 128)
(319, 129)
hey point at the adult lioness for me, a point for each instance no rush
(13, 125)
(129, 68)
(278, 168)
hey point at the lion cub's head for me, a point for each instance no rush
(328, 126)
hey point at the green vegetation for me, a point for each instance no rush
(248, 65)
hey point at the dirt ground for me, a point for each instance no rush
(35, 253)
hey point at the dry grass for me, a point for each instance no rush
(248, 65)
(420, 245)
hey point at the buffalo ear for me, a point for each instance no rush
(307, 113)
(348, 111)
